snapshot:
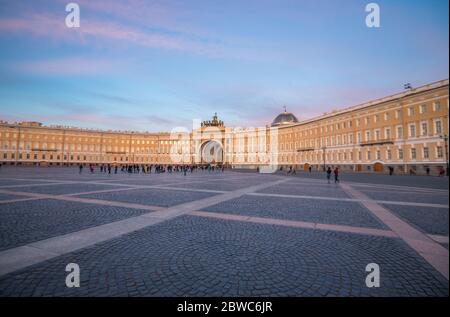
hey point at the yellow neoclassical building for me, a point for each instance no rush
(406, 132)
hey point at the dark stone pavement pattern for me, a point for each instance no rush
(63, 189)
(193, 256)
(418, 197)
(29, 221)
(429, 220)
(323, 190)
(200, 256)
(321, 211)
(152, 197)
(9, 197)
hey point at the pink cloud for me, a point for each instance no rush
(69, 66)
(53, 27)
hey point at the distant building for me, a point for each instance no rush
(406, 131)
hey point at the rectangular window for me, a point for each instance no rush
(377, 135)
(426, 153)
(424, 128)
(388, 133)
(438, 127)
(378, 155)
(412, 131)
(400, 132)
(440, 153)
(423, 108)
(413, 153)
(437, 106)
(367, 135)
(389, 154)
(368, 155)
(410, 111)
(400, 154)
(398, 114)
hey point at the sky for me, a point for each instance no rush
(153, 65)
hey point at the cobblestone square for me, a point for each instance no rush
(218, 233)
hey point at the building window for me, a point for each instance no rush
(378, 155)
(367, 135)
(400, 132)
(410, 111)
(389, 154)
(398, 114)
(423, 108)
(359, 155)
(440, 153)
(413, 153)
(386, 116)
(400, 154)
(437, 106)
(424, 128)
(412, 131)
(438, 127)
(426, 153)
(377, 135)
(387, 133)
(368, 156)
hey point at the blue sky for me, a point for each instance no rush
(154, 65)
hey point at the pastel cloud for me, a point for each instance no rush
(68, 66)
(53, 27)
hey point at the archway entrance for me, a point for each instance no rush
(378, 167)
(211, 152)
(306, 167)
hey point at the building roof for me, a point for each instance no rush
(284, 118)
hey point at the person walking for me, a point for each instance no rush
(336, 175)
(80, 168)
(329, 174)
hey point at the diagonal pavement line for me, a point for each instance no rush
(18, 258)
(399, 187)
(84, 200)
(194, 189)
(9, 201)
(297, 224)
(35, 185)
(388, 202)
(439, 238)
(431, 251)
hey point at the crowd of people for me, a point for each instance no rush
(148, 169)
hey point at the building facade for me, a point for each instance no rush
(406, 131)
